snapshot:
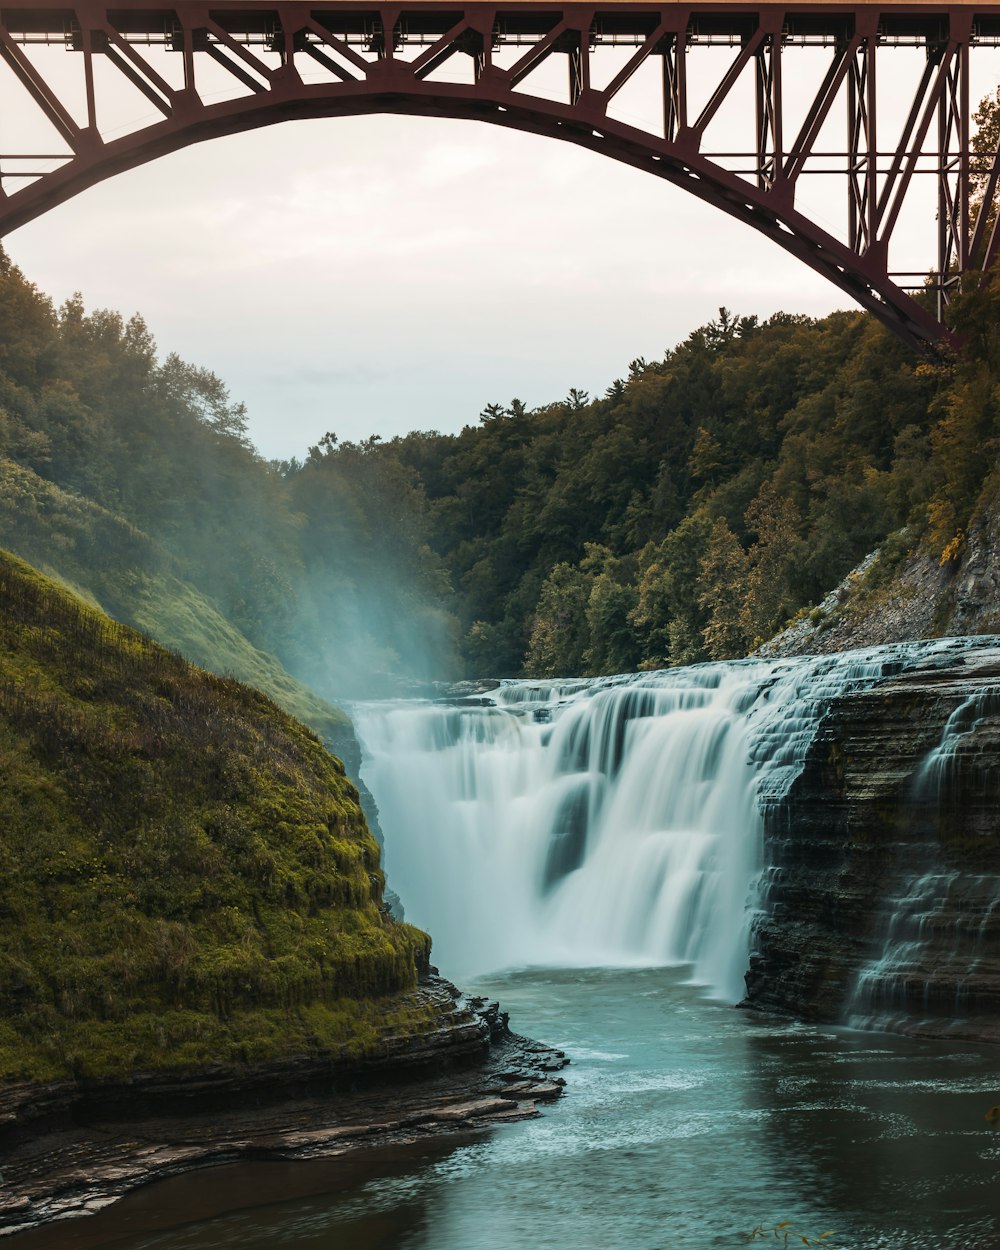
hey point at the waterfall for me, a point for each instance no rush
(936, 774)
(935, 913)
(605, 822)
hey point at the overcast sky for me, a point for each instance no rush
(381, 274)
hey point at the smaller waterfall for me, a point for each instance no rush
(937, 772)
(930, 931)
(606, 822)
(897, 984)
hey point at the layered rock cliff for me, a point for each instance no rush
(73, 1147)
(881, 905)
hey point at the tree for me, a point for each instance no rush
(723, 576)
(613, 645)
(985, 146)
(667, 614)
(206, 396)
(706, 456)
(772, 560)
(559, 631)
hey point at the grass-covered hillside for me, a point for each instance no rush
(185, 873)
(116, 567)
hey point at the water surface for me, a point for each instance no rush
(685, 1123)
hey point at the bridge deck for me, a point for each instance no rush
(613, 21)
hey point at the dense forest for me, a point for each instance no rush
(687, 513)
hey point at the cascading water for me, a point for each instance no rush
(932, 905)
(605, 822)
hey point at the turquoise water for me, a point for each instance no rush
(685, 1123)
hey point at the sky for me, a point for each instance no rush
(374, 275)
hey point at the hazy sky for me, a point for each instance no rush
(380, 274)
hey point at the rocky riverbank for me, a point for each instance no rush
(879, 907)
(74, 1148)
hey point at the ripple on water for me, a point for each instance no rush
(677, 1130)
(981, 1085)
(583, 1053)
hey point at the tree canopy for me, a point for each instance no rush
(684, 514)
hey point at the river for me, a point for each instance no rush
(685, 1123)
(590, 854)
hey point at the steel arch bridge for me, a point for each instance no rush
(723, 124)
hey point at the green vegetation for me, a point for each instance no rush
(710, 496)
(687, 514)
(187, 873)
(115, 567)
(133, 481)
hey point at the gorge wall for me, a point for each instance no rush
(904, 589)
(879, 906)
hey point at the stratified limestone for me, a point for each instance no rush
(882, 903)
(73, 1148)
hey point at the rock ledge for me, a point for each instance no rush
(74, 1148)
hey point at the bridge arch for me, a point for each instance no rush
(385, 60)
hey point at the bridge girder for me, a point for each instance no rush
(286, 59)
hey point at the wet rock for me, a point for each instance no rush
(878, 905)
(74, 1147)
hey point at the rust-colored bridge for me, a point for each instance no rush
(142, 81)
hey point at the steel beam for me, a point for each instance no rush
(285, 59)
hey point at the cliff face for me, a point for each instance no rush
(903, 592)
(882, 902)
(975, 598)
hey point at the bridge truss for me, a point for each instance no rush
(89, 90)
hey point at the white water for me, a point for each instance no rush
(594, 823)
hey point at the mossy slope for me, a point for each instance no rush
(185, 873)
(112, 564)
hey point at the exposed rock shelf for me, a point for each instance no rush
(880, 907)
(74, 1148)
